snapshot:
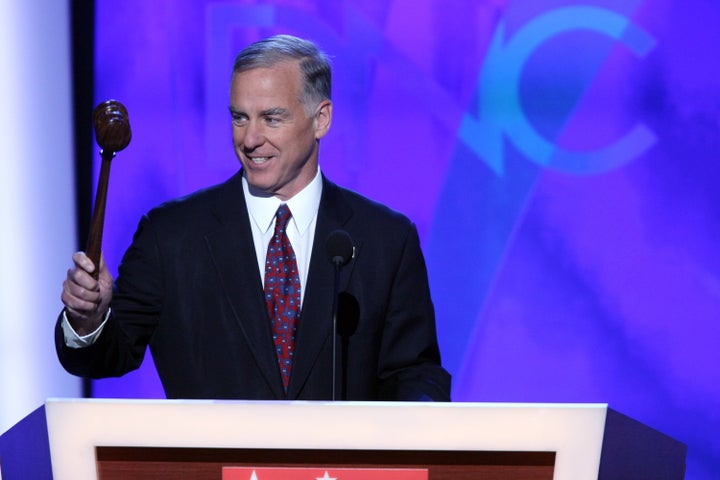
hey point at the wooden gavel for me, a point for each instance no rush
(112, 133)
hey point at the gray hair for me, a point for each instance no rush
(314, 64)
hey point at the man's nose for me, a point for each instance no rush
(254, 135)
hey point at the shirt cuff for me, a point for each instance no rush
(73, 340)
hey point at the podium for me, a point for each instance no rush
(162, 439)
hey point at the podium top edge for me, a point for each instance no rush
(365, 404)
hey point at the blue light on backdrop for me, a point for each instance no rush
(500, 107)
(574, 142)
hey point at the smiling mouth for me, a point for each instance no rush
(258, 160)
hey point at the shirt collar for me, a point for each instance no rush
(303, 206)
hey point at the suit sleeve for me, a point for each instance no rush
(121, 346)
(410, 368)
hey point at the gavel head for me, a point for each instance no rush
(112, 126)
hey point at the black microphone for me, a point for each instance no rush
(340, 250)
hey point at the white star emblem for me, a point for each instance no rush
(253, 476)
(325, 477)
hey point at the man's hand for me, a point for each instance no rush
(86, 300)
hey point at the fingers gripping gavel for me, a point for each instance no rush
(112, 133)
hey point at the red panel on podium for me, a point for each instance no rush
(330, 473)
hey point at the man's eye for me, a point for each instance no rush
(238, 119)
(272, 120)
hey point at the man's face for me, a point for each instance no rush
(275, 139)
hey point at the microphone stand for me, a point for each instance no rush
(340, 251)
(337, 263)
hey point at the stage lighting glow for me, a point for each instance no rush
(36, 201)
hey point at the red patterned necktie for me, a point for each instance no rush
(282, 292)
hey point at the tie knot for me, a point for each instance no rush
(282, 216)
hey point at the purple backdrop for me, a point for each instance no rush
(568, 149)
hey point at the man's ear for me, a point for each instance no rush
(323, 118)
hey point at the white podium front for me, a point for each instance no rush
(69, 439)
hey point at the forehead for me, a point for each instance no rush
(279, 85)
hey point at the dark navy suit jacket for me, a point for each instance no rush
(189, 287)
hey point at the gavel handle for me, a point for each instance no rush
(94, 245)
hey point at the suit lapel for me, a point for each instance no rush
(232, 249)
(315, 327)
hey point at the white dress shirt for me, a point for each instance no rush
(300, 230)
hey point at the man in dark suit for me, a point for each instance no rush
(192, 287)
